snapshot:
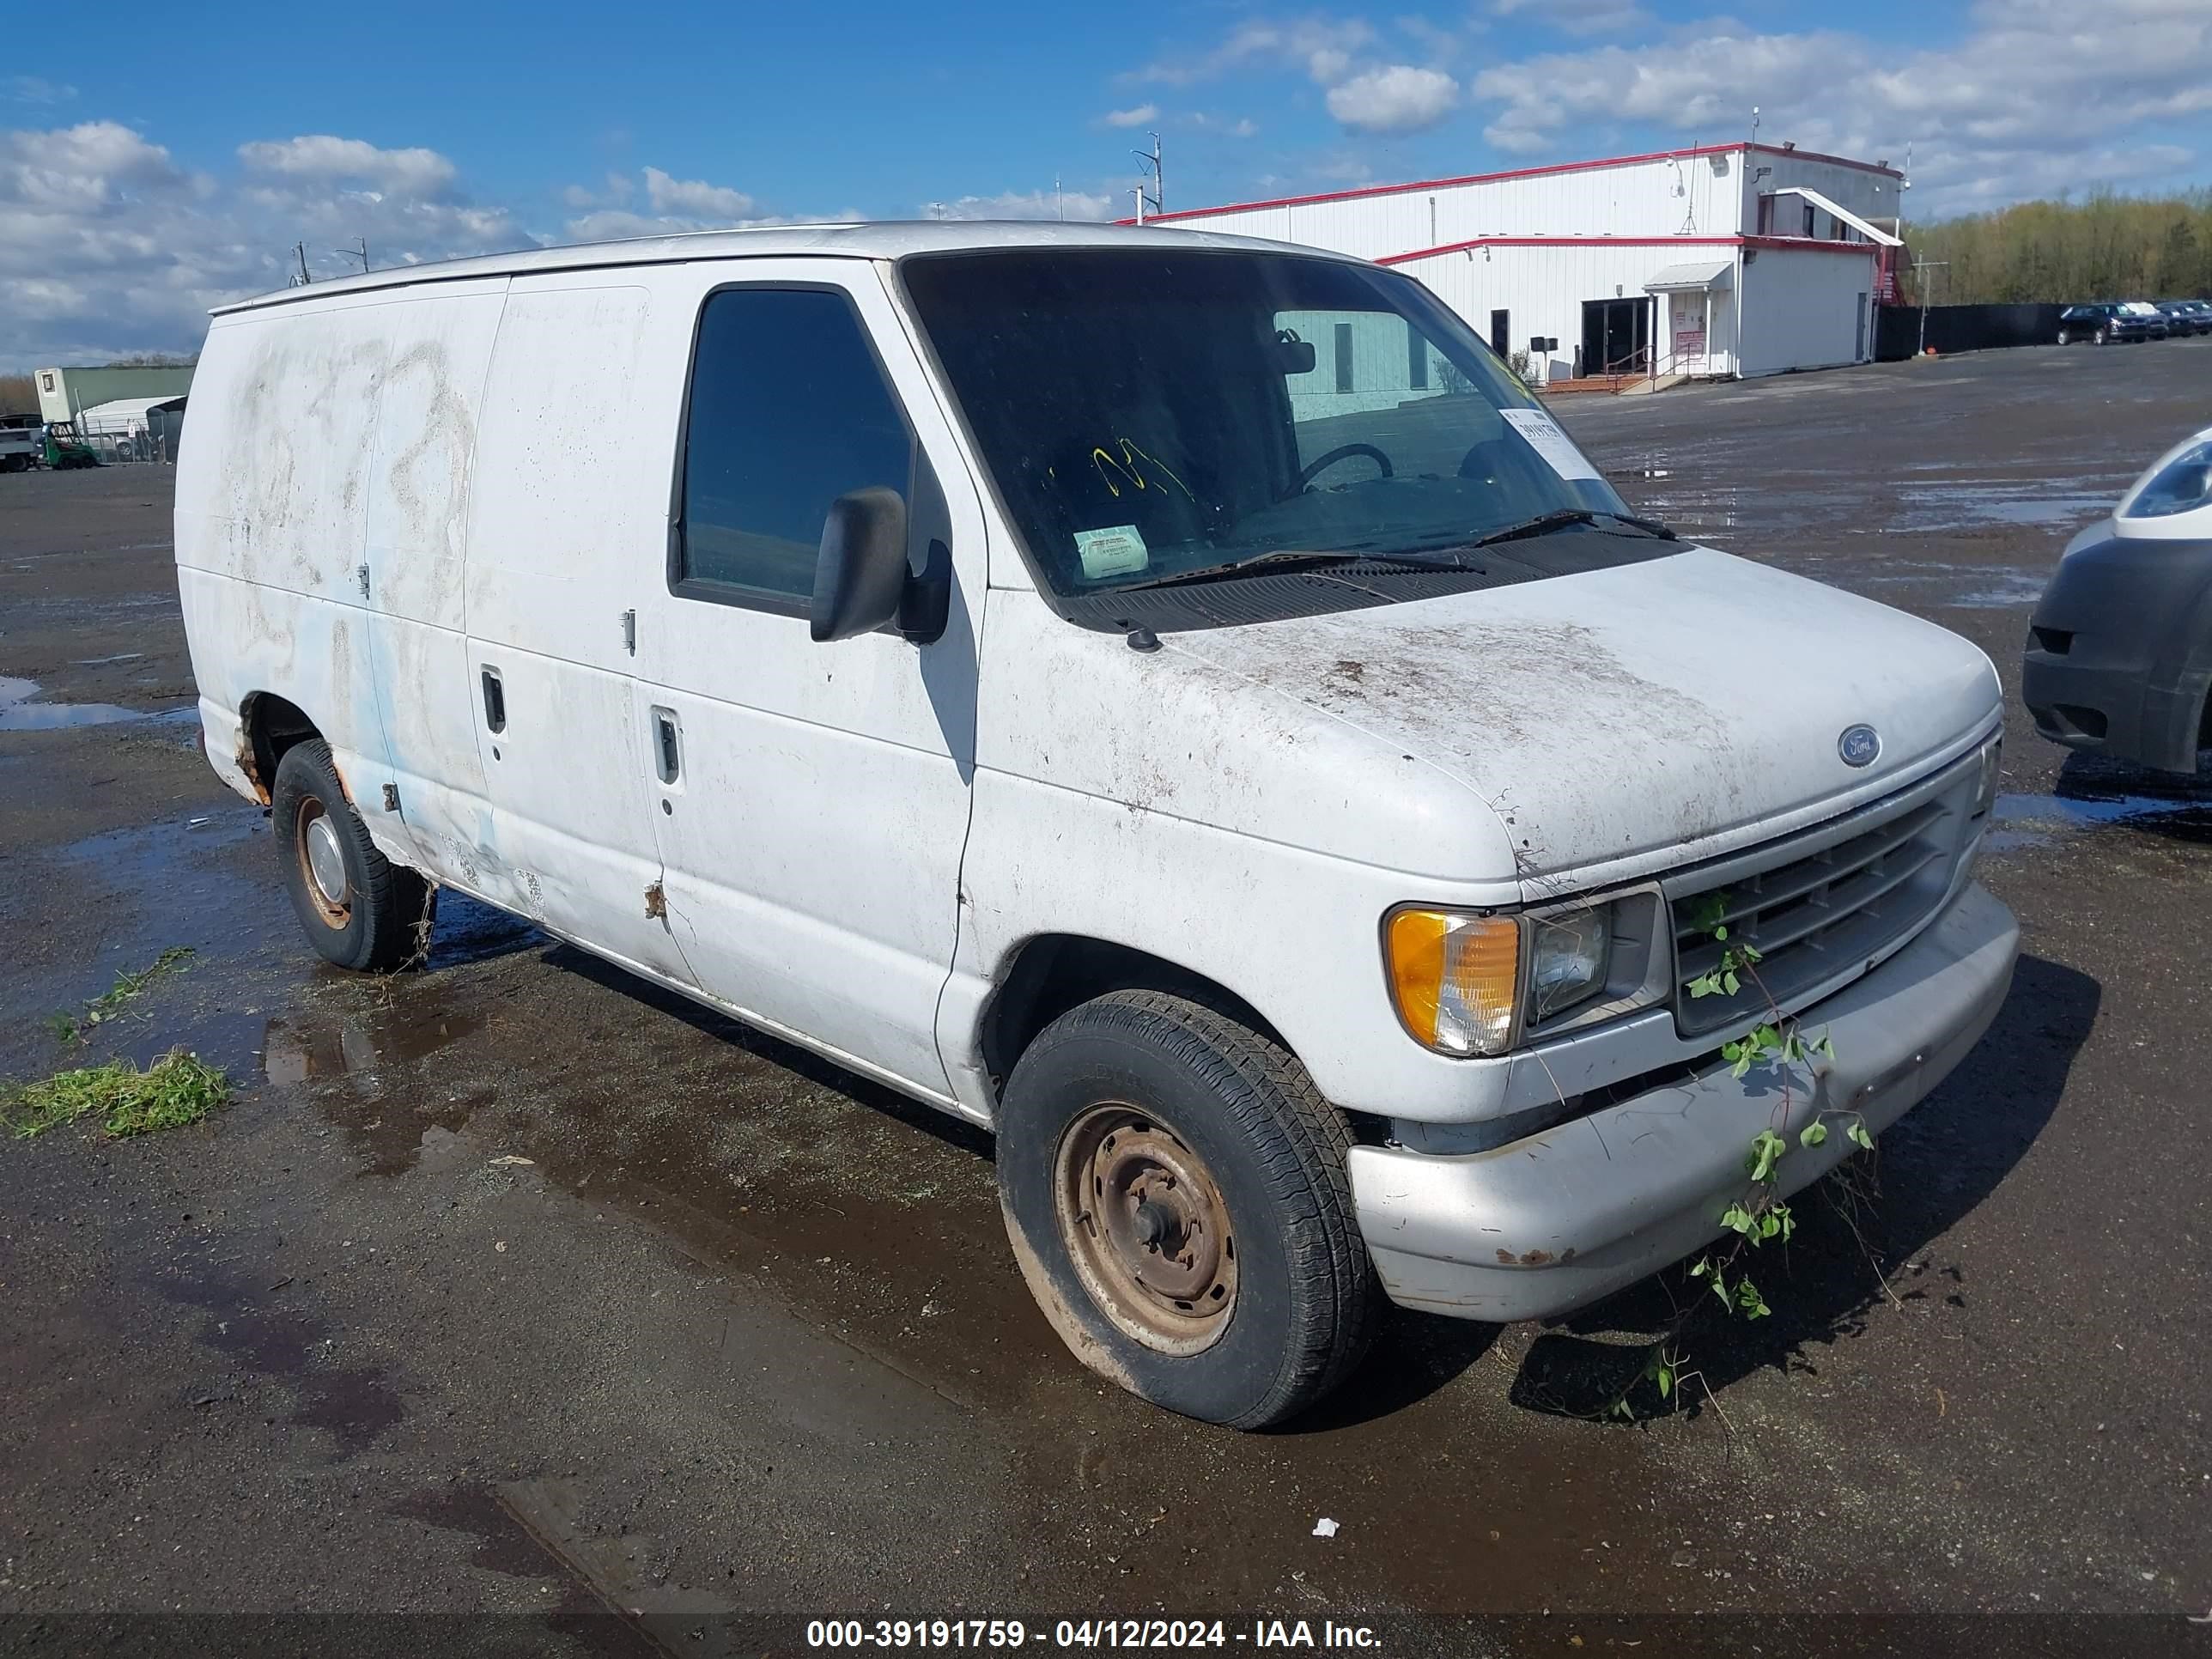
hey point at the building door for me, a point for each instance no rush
(1501, 333)
(1616, 336)
(1859, 352)
(1686, 348)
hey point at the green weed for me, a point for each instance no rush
(75, 1028)
(177, 1091)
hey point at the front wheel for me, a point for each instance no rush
(2064, 338)
(1176, 1191)
(2104, 337)
(359, 909)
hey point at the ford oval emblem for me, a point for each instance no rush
(1858, 745)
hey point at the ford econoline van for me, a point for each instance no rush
(1175, 700)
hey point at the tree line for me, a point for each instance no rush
(2107, 247)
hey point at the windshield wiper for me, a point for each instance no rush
(1545, 523)
(1292, 559)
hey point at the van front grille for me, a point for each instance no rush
(1819, 907)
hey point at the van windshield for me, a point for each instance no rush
(1148, 414)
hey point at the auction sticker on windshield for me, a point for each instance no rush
(1547, 440)
(1118, 550)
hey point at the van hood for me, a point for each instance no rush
(1626, 720)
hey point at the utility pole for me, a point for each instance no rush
(359, 253)
(1920, 293)
(1152, 162)
(1059, 202)
(299, 250)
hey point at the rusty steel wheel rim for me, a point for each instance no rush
(322, 862)
(1147, 1228)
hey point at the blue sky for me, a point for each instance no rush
(152, 166)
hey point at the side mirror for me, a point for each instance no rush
(860, 575)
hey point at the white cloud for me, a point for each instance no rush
(1029, 205)
(108, 246)
(1397, 98)
(1133, 118)
(31, 89)
(321, 159)
(1321, 46)
(672, 205)
(1363, 93)
(2034, 100)
(695, 198)
(1578, 16)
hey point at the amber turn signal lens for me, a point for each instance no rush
(1455, 978)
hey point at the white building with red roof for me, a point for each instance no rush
(1720, 259)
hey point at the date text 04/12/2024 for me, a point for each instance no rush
(1085, 1635)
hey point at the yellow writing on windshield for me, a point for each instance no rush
(1129, 465)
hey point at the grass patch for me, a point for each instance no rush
(75, 1028)
(177, 1091)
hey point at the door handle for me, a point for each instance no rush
(667, 745)
(494, 700)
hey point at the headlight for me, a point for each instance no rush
(1468, 984)
(2182, 485)
(1567, 959)
(1985, 787)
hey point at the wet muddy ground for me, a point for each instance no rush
(514, 1286)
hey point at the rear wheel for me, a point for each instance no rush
(359, 909)
(1176, 1191)
(2065, 338)
(2103, 337)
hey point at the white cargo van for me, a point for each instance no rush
(1174, 699)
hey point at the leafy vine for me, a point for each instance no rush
(1760, 1216)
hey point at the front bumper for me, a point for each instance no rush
(2118, 656)
(1550, 1222)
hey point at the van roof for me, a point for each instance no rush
(874, 239)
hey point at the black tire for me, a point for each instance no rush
(371, 925)
(2102, 337)
(1303, 1302)
(2064, 338)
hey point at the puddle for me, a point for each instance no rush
(18, 713)
(2013, 590)
(295, 1048)
(364, 1065)
(2034, 820)
(1967, 504)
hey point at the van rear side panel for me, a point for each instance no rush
(320, 528)
(271, 527)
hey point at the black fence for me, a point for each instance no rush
(1962, 328)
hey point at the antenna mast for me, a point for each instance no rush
(1152, 160)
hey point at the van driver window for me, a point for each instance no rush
(788, 411)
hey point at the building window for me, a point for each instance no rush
(1417, 360)
(1811, 213)
(1344, 356)
(1501, 333)
(1766, 214)
(789, 411)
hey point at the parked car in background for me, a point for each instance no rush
(1309, 932)
(2119, 649)
(2184, 317)
(2102, 323)
(19, 442)
(2154, 318)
